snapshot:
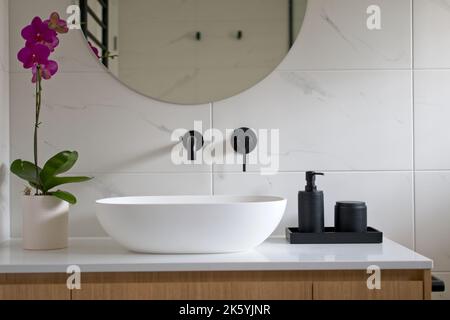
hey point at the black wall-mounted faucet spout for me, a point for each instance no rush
(192, 142)
(244, 141)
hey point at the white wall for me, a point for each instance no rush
(348, 101)
(4, 121)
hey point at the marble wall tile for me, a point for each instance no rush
(334, 35)
(4, 36)
(431, 114)
(389, 196)
(4, 123)
(431, 34)
(4, 154)
(349, 120)
(433, 217)
(113, 128)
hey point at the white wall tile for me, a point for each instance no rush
(334, 36)
(433, 217)
(431, 29)
(388, 196)
(4, 123)
(4, 154)
(113, 128)
(432, 134)
(444, 276)
(4, 36)
(349, 120)
(83, 222)
(72, 54)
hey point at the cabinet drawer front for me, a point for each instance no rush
(245, 290)
(34, 292)
(39, 286)
(357, 290)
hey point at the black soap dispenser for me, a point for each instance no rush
(310, 205)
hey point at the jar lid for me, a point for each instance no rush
(351, 204)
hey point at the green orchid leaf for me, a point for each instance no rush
(59, 163)
(26, 171)
(52, 182)
(64, 195)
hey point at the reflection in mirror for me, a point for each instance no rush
(191, 51)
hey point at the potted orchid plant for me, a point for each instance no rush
(45, 207)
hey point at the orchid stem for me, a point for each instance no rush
(36, 124)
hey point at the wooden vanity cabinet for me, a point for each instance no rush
(247, 285)
(34, 286)
(395, 285)
(195, 285)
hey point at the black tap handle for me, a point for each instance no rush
(247, 150)
(192, 152)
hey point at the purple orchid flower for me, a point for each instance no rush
(39, 32)
(56, 23)
(41, 39)
(46, 70)
(33, 54)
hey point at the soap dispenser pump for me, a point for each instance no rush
(310, 205)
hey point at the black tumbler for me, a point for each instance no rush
(350, 216)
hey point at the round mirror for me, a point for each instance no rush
(191, 51)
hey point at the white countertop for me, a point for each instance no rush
(104, 255)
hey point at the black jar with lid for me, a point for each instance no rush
(350, 216)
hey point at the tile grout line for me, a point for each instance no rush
(344, 70)
(250, 172)
(257, 171)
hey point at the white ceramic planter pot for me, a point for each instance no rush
(45, 223)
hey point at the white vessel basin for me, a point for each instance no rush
(190, 224)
